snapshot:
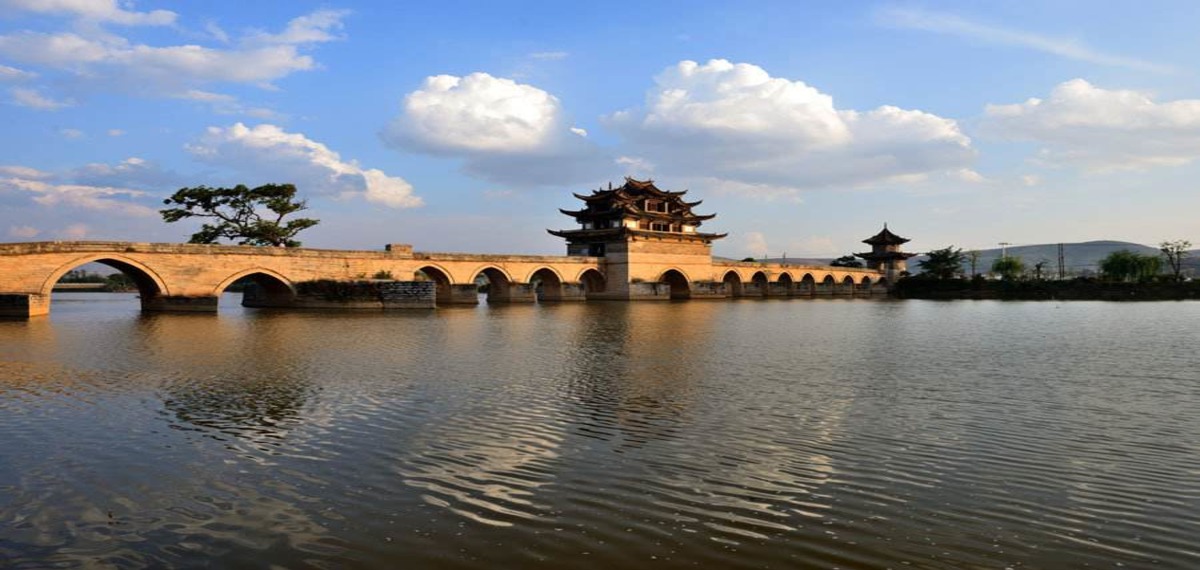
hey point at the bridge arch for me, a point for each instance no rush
(275, 290)
(681, 286)
(592, 280)
(846, 286)
(733, 283)
(441, 281)
(808, 285)
(149, 283)
(499, 281)
(761, 283)
(785, 282)
(828, 285)
(547, 283)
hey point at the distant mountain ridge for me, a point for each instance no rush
(1080, 258)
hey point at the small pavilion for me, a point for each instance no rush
(885, 254)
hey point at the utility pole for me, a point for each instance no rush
(1004, 249)
(1062, 265)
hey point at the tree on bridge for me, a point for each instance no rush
(846, 261)
(252, 215)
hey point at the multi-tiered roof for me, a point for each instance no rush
(885, 246)
(636, 207)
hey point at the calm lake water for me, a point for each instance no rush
(749, 434)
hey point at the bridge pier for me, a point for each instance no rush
(513, 293)
(180, 304)
(459, 295)
(709, 290)
(778, 290)
(24, 305)
(567, 292)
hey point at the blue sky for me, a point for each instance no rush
(464, 126)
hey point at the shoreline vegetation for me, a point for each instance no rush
(1078, 289)
(1124, 275)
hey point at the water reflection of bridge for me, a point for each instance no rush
(187, 277)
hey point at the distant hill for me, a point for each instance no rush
(792, 260)
(1078, 258)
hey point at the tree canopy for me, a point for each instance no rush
(1009, 267)
(1125, 265)
(945, 263)
(1175, 252)
(846, 261)
(253, 216)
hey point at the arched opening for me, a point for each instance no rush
(759, 279)
(827, 286)
(785, 284)
(494, 283)
(847, 286)
(94, 280)
(808, 285)
(864, 286)
(680, 286)
(733, 283)
(546, 285)
(442, 291)
(593, 281)
(881, 285)
(259, 289)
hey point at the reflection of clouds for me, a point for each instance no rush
(709, 444)
(487, 469)
(491, 442)
(633, 370)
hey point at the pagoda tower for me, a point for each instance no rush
(885, 254)
(637, 227)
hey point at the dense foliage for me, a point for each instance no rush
(846, 261)
(945, 263)
(253, 216)
(1008, 268)
(1127, 266)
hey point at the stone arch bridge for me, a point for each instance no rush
(189, 277)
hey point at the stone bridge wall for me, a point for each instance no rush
(191, 277)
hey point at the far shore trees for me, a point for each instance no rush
(1008, 268)
(945, 263)
(1127, 266)
(1175, 252)
(253, 216)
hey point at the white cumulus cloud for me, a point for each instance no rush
(506, 131)
(1099, 129)
(734, 121)
(477, 113)
(133, 172)
(88, 59)
(51, 194)
(268, 152)
(93, 10)
(34, 99)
